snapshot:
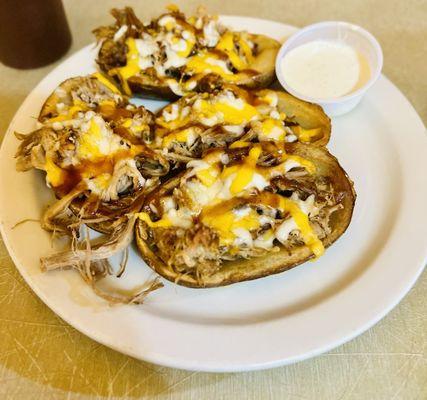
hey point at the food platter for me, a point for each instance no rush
(272, 321)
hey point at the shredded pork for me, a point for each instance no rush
(198, 251)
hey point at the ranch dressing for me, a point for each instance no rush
(324, 69)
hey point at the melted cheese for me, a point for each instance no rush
(290, 161)
(99, 183)
(238, 178)
(171, 112)
(132, 125)
(71, 112)
(131, 68)
(215, 200)
(127, 123)
(227, 222)
(235, 112)
(168, 22)
(242, 177)
(205, 63)
(201, 195)
(223, 109)
(305, 135)
(108, 104)
(211, 34)
(244, 172)
(175, 87)
(171, 218)
(246, 48)
(272, 129)
(270, 97)
(180, 218)
(299, 217)
(95, 142)
(182, 47)
(183, 136)
(232, 224)
(303, 224)
(308, 165)
(55, 176)
(226, 44)
(177, 37)
(106, 82)
(208, 176)
(175, 122)
(238, 144)
(265, 240)
(164, 222)
(96, 152)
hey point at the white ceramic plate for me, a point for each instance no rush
(268, 322)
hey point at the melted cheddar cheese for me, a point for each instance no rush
(234, 111)
(55, 176)
(206, 63)
(305, 135)
(272, 129)
(106, 82)
(182, 136)
(96, 141)
(227, 112)
(226, 198)
(227, 45)
(169, 42)
(132, 65)
(227, 222)
(161, 223)
(208, 176)
(70, 113)
(243, 173)
(91, 156)
(303, 224)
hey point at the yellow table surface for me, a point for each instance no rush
(41, 357)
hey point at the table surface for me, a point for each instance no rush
(41, 357)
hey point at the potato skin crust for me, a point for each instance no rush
(117, 210)
(270, 263)
(308, 115)
(261, 73)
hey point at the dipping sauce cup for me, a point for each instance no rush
(365, 46)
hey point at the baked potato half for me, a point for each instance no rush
(199, 121)
(174, 54)
(81, 93)
(92, 144)
(245, 212)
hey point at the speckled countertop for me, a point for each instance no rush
(41, 357)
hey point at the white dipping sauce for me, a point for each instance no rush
(321, 69)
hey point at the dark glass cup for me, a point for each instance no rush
(33, 33)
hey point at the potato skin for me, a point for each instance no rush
(116, 216)
(270, 263)
(260, 73)
(307, 115)
(117, 210)
(48, 109)
(49, 106)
